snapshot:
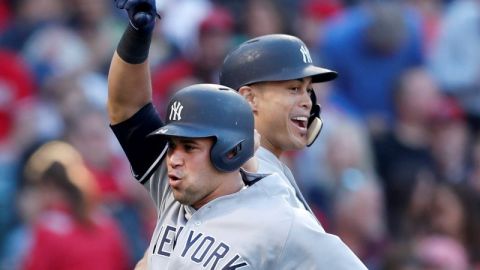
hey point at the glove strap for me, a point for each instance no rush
(134, 45)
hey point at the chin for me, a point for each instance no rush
(179, 198)
(294, 145)
(298, 142)
(300, 146)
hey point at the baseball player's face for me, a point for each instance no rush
(281, 112)
(192, 177)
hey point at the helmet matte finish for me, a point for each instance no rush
(209, 110)
(276, 57)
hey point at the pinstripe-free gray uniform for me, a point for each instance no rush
(255, 228)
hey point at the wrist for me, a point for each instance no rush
(134, 45)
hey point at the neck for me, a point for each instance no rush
(270, 147)
(230, 183)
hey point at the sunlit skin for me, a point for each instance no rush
(281, 111)
(191, 175)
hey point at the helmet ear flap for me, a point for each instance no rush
(315, 123)
(227, 158)
(313, 130)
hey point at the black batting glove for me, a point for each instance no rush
(141, 13)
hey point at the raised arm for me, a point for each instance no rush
(132, 115)
(129, 83)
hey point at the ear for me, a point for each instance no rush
(250, 95)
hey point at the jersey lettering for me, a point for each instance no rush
(217, 254)
(207, 248)
(190, 242)
(176, 237)
(166, 239)
(199, 248)
(231, 266)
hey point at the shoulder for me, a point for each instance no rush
(309, 246)
(269, 165)
(274, 183)
(260, 199)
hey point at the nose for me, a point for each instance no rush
(306, 101)
(174, 158)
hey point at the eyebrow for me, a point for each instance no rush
(301, 80)
(187, 141)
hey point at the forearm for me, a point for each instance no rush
(129, 83)
(129, 88)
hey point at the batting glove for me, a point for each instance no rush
(141, 13)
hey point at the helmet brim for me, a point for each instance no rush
(182, 130)
(317, 74)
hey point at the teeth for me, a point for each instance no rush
(300, 118)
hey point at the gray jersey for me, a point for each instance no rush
(269, 163)
(254, 228)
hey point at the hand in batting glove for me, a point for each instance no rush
(141, 13)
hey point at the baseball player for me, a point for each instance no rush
(211, 214)
(275, 74)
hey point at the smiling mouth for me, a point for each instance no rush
(300, 122)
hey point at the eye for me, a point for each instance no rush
(189, 147)
(294, 89)
(310, 90)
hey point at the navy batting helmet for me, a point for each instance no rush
(210, 110)
(275, 57)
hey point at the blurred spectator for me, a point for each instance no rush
(16, 84)
(96, 25)
(263, 17)
(29, 16)
(312, 20)
(455, 58)
(358, 218)
(441, 253)
(56, 51)
(369, 45)
(474, 173)
(202, 64)
(399, 256)
(431, 12)
(16, 87)
(431, 252)
(342, 150)
(403, 154)
(5, 15)
(180, 22)
(450, 142)
(67, 226)
(264, 12)
(127, 201)
(455, 213)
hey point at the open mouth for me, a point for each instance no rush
(173, 180)
(173, 177)
(300, 122)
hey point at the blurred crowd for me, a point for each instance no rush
(395, 172)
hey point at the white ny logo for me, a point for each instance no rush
(175, 112)
(305, 54)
